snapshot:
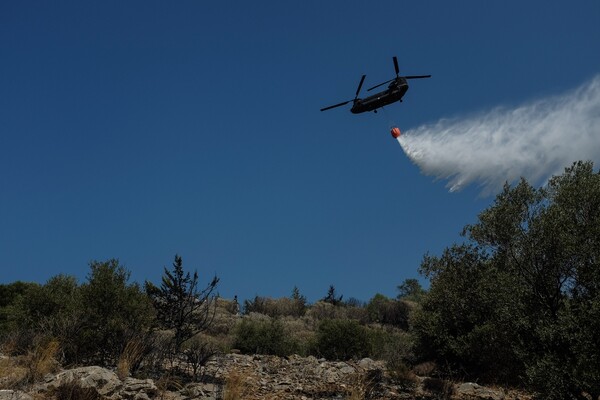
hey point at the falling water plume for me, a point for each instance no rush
(535, 141)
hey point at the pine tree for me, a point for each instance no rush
(180, 306)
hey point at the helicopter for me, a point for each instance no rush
(395, 91)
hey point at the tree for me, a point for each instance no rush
(332, 296)
(410, 290)
(299, 302)
(384, 310)
(55, 310)
(10, 296)
(115, 311)
(520, 299)
(180, 305)
(467, 317)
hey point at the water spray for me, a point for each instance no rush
(535, 140)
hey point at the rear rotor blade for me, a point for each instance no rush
(417, 76)
(381, 84)
(360, 86)
(396, 66)
(336, 105)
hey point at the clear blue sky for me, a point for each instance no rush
(141, 129)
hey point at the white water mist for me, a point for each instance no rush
(534, 141)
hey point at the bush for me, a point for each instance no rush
(224, 319)
(10, 295)
(301, 333)
(386, 311)
(339, 339)
(198, 351)
(263, 336)
(275, 308)
(390, 344)
(321, 311)
(53, 311)
(115, 312)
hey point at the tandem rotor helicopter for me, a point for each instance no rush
(394, 92)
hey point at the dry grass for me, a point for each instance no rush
(401, 374)
(132, 354)
(360, 389)
(425, 369)
(73, 391)
(169, 382)
(42, 359)
(18, 371)
(12, 374)
(9, 344)
(441, 387)
(235, 386)
(366, 385)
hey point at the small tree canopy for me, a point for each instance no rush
(410, 290)
(332, 296)
(180, 305)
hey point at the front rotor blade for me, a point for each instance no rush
(337, 105)
(396, 66)
(360, 85)
(381, 84)
(417, 76)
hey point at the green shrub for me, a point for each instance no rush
(387, 311)
(263, 336)
(339, 339)
(115, 312)
(10, 295)
(51, 311)
(390, 344)
(301, 333)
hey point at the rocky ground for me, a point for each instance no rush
(235, 376)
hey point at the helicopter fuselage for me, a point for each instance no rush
(395, 91)
(392, 94)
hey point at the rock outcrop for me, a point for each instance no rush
(266, 377)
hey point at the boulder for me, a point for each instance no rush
(367, 363)
(104, 381)
(138, 389)
(470, 390)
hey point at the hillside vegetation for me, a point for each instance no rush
(516, 303)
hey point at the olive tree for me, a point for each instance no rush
(115, 311)
(519, 300)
